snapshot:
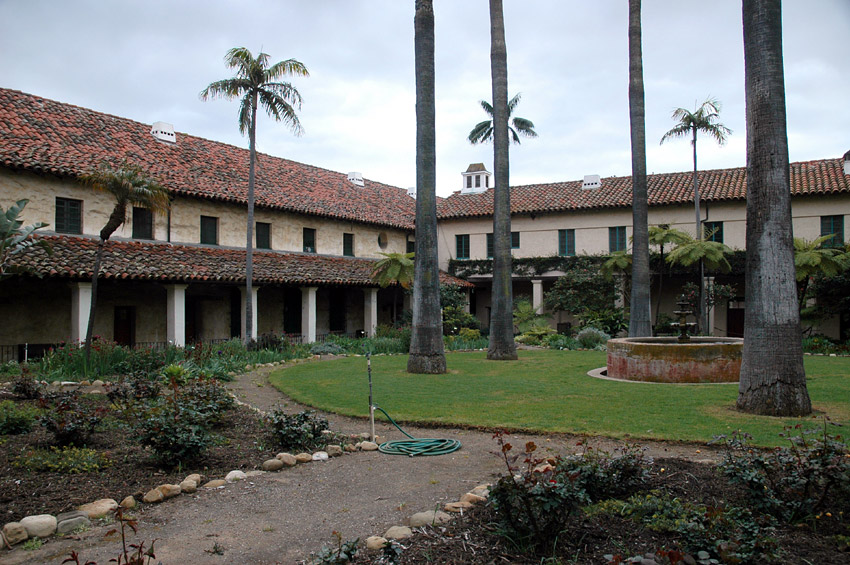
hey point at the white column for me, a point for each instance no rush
(466, 304)
(80, 308)
(308, 313)
(370, 311)
(537, 295)
(176, 314)
(243, 294)
(709, 283)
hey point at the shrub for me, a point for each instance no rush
(732, 534)
(173, 432)
(67, 460)
(328, 348)
(341, 553)
(16, 419)
(70, 420)
(125, 391)
(297, 432)
(532, 507)
(792, 483)
(590, 337)
(469, 333)
(205, 399)
(10, 368)
(25, 386)
(610, 320)
(558, 341)
(456, 318)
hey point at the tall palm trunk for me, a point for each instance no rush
(773, 380)
(502, 346)
(116, 218)
(640, 323)
(249, 244)
(426, 340)
(701, 318)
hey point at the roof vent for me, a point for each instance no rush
(591, 182)
(355, 178)
(847, 163)
(164, 132)
(411, 191)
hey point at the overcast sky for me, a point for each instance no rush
(148, 59)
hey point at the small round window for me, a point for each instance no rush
(383, 240)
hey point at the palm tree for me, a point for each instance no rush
(427, 354)
(811, 258)
(483, 131)
(16, 238)
(640, 314)
(502, 345)
(703, 119)
(397, 269)
(662, 235)
(773, 379)
(130, 185)
(255, 84)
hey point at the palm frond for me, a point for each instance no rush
(524, 126)
(487, 107)
(227, 89)
(481, 133)
(279, 109)
(680, 130)
(289, 67)
(512, 103)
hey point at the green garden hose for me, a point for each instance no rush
(415, 447)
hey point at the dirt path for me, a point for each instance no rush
(283, 517)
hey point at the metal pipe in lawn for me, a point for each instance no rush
(371, 404)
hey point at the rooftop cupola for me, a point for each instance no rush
(476, 179)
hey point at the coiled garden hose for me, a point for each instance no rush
(415, 447)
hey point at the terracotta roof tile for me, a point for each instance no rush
(51, 137)
(73, 258)
(809, 177)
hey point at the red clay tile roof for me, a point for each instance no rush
(807, 178)
(51, 137)
(73, 258)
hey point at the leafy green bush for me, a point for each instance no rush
(25, 386)
(328, 348)
(16, 419)
(206, 400)
(792, 483)
(10, 369)
(591, 338)
(533, 506)
(558, 341)
(174, 433)
(69, 460)
(125, 391)
(298, 432)
(610, 320)
(456, 318)
(732, 534)
(70, 419)
(343, 552)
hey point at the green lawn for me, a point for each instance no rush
(550, 391)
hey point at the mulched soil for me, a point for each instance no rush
(473, 539)
(134, 471)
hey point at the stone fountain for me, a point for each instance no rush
(682, 359)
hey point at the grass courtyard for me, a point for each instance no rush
(549, 391)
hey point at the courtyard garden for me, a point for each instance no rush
(777, 491)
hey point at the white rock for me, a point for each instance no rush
(320, 456)
(334, 450)
(429, 518)
(169, 491)
(98, 382)
(14, 533)
(369, 446)
(234, 476)
(40, 526)
(398, 532)
(273, 465)
(375, 542)
(99, 508)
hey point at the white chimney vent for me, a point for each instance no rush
(164, 132)
(591, 182)
(411, 191)
(355, 178)
(847, 163)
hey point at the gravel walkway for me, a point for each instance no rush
(283, 517)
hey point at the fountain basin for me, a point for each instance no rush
(665, 360)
